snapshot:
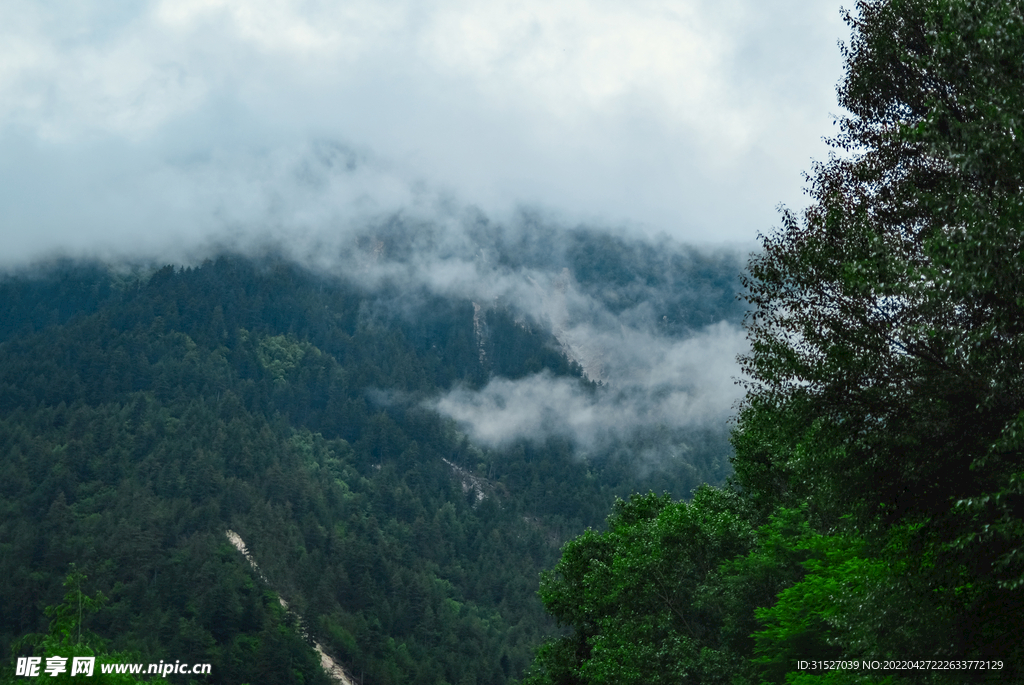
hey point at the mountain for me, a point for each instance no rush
(403, 427)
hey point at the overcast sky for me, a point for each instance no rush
(143, 125)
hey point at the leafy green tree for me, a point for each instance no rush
(886, 334)
(67, 638)
(631, 596)
(838, 602)
(888, 316)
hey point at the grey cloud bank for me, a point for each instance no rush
(150, 126)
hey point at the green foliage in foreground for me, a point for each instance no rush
(677, 592)
(637, 596)
(877, 509)
(67, 638)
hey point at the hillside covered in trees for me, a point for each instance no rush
(873, 530)
(144, 411)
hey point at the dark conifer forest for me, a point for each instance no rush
(144, 412)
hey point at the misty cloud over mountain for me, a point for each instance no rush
(653, 321)
(520, 157)
(680, 384)
(653, 324)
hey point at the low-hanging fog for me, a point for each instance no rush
(447, 147)
(659, 384)
(653, 324)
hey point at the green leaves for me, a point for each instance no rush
(888, 344)
(632, 595)
(821, 613)
(67, 638)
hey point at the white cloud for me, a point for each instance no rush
(654, 383)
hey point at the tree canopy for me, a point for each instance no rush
(878, 450)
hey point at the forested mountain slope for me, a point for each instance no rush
(145, 412)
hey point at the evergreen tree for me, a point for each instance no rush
(68, 653)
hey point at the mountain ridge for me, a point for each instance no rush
(144, 416)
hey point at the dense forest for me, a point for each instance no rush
(872, 531)
(145, 411)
